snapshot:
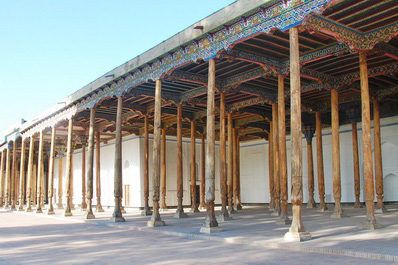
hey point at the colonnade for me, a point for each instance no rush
(229, 178)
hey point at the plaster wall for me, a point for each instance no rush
(254, 168)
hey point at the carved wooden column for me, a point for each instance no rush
(22, 176)
(51, 161)
(69, 168)
(271, 167)
(275, 142)
(83, 140)
(40, 175)
(98, 208)
(13, 176)
(230, 165)
(117, 213)
(203, 174)
(146, 211)
(90, 168)
(29, 176)
(370, 221)
(194, 206)
(164, 172)
(319, 160)
(155, 219)
(380, 208)
(234, 168)
(238, 200)
(2, 156)
(224, 216)
(338, 210)
(8, 179)
(180, 189)
(210, 225)
(297, 230)
(352, 115)
(309, 133)
(60, 152)
(282, 151)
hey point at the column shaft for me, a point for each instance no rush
(147, 211)
(380, 208)
(8, 180)
(223, 163)
(271, 167)
(90, 167)
(51, 160)
(22, 176)
(98, 208)
(338, 210)
(319, 160)
(13, 178)
(155, 219)
(203, 174)
(357, 180)
(2, 156)
(69, 168)
(164, 172)
(210, 224)
(230, 164)
(40, 173)
(370, 221)
(297, 231)
(275, 142)
(29, 179)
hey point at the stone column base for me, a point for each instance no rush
(68, 214)
(284, 221)
(146, 212)
(180, 215)
(370, 226)
(210, 230)
(194, 210)
(89, 216)
(50, 212)
(381, 210)
(117, 219)
(223, 218)
(155, 223)
(338, 215)
(297, 236)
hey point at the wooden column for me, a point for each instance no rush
(338, 210)
(117, 185)
(380, 208)
(117, 213)
(90, 168)
(164, 172)
(51, 160)
(146, 211)
(2, 156)
(203, 174)
(357, 180)
(370, 221)
(230, 165)
(210, 224)
(271, 167)
(60, 178)
(98, 208)
(155, 219)
(7, 180)
(309, 133)
(352, 115)
(29, 178)
(224, 216)
(194, 206)
(22, 176)
(13, 176)
(319, 160)
(40, 175)
(180, 189)
(69, 168)
(282, 151)
(83, 205)
(234, 168)
(238, 200)
(275, 142)
(297, 230)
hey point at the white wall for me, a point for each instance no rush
(254, 168)
(254, 165)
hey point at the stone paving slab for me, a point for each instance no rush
(256, 227)
(36, 239)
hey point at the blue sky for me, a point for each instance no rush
(49, 49)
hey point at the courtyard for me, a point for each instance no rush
(29, 238)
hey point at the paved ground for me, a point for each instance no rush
(38, 239)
